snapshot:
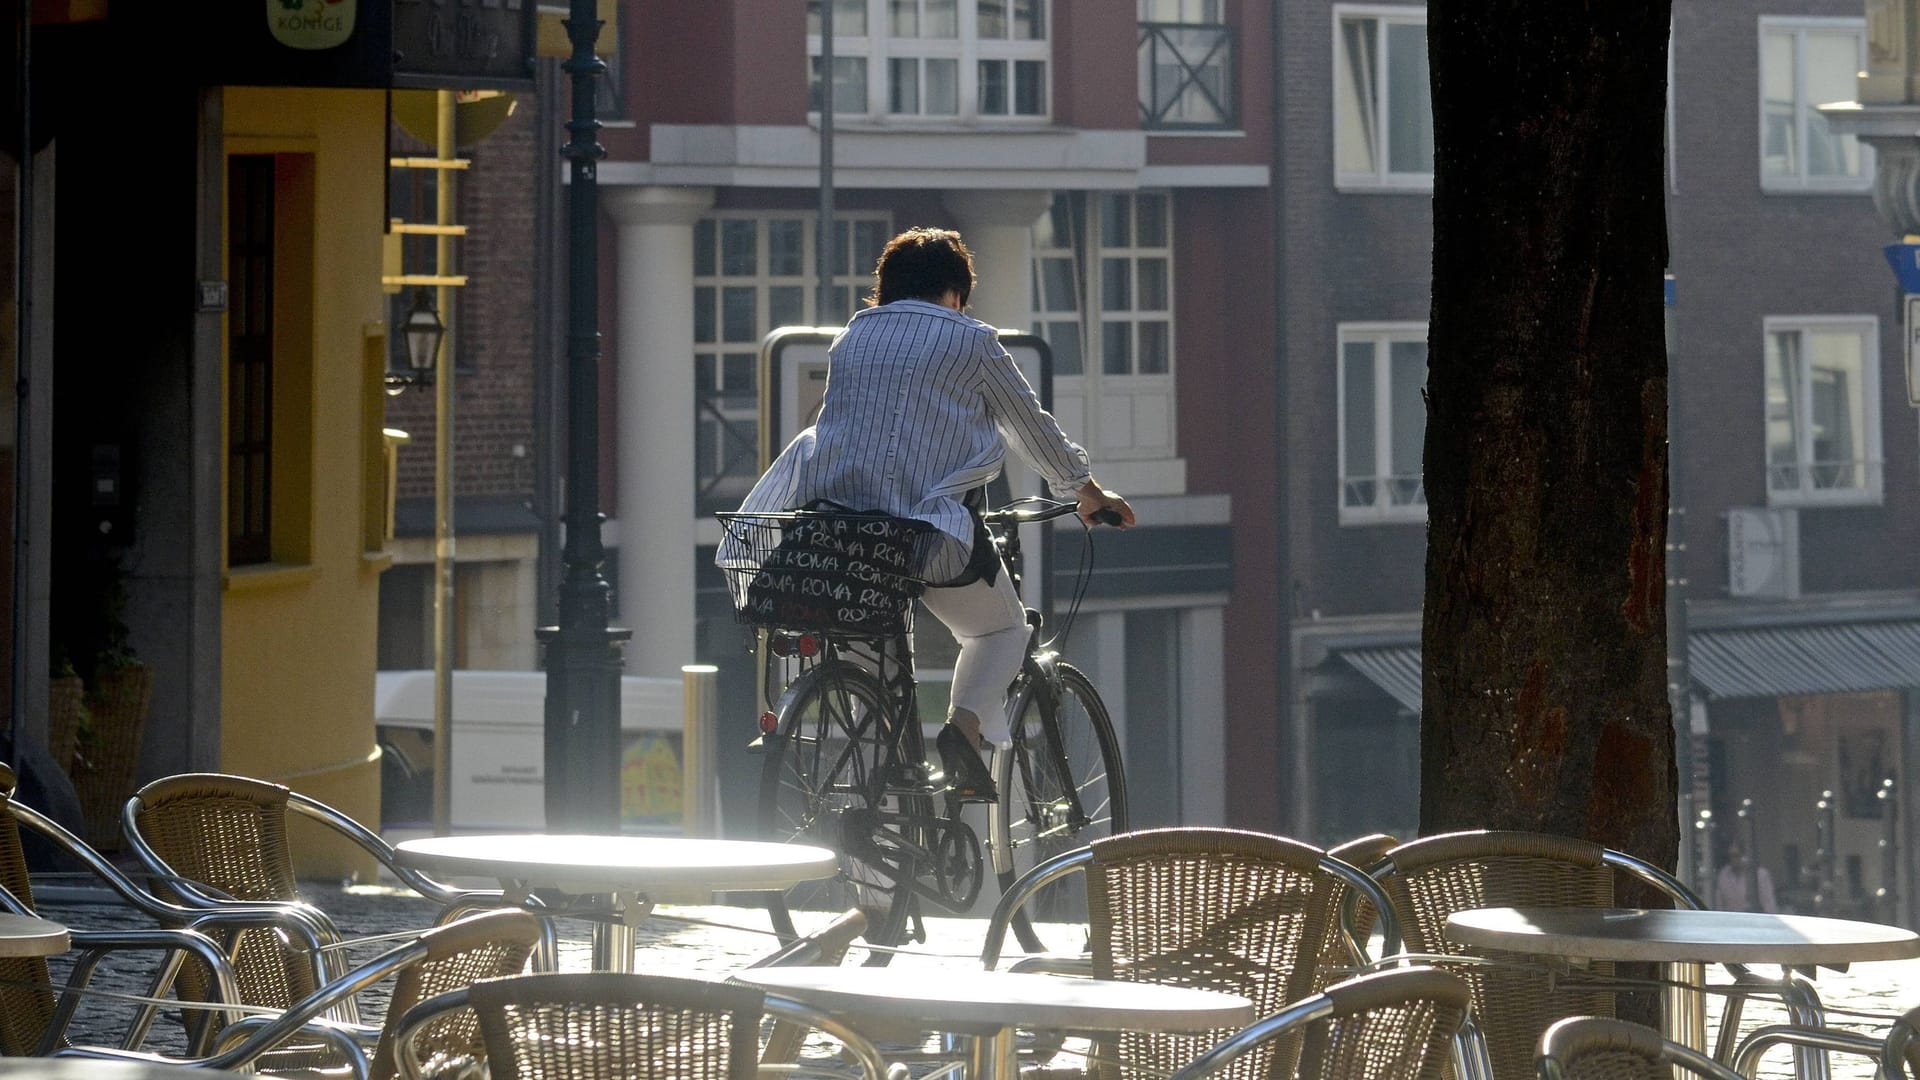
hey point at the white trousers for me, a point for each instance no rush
(990, 623)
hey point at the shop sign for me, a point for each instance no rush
(464, 44)
(311, 24)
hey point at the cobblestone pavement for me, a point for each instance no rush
(719, 938)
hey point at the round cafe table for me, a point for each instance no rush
(26, 935)
(618, 871)
(44, 1068)
(985, 1005)
(1685, 941)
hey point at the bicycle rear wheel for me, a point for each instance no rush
(821, 784)
(1063, 742)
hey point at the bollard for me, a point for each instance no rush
(1888, 894)
(699, 783)
(1823, 860)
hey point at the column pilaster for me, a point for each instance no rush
(653, 422)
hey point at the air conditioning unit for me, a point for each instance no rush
(1763, 553)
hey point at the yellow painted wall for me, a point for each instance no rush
(298, 658)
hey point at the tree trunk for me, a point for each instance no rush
(1544, 637)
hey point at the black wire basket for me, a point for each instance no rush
(825, 571)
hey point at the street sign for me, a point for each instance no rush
(1913, 348)
(1905, 260)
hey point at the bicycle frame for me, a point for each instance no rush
(891, 661)
(1038, 666)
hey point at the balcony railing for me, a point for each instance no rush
(1186, 77)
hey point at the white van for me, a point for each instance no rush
(498, 733)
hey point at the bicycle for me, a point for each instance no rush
(843, 772)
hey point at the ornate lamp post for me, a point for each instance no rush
(583, 653)
(423, 330)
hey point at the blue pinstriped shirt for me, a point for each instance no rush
(921, 404)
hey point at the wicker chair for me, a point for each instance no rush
(33, 1020)
(1515, 997)
(1219, 909)
(602, 1024)
(1405, 1024)
(825, 947)
(1601, 1048)
(447, 957)
(211, 839)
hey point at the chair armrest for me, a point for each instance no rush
(1022, 890)
(342, 1040)
(1761, 1039)
(414, 1021)
(93, 947)
(1255, 1035)
(370, 842)
(863, 1051)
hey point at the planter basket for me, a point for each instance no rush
(104, 768)
(66, 705)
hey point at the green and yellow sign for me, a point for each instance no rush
(311, 24)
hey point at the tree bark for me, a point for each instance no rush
(1544, 635)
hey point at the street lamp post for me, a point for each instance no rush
(583, 652)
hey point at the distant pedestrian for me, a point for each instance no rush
(1742, 886)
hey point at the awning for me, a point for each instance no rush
(1833, 659)
(1776, 661)
(1395, 670)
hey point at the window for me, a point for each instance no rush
(1383, 422)
(752, 274)
(1805, 63)
(1103, 300)
(250, 269)
(1382, 107)
(1823, 411)
(934, 59)
(1186, 65)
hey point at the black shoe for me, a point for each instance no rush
(967, 775)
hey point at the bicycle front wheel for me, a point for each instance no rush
(823, 783)
(1061, 786)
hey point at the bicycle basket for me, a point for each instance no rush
(837, 572)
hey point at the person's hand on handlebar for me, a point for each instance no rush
(1098, 505)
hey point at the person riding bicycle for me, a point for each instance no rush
(921, 403)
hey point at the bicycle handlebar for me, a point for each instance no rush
(1033, 509)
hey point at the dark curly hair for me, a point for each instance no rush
(922, 264)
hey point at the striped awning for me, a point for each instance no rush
(1781, 660)
(1395, 670)
(1774, 661)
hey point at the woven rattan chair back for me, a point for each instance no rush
(26, 989)
(1392, 1025)
(1219, 909)
(1900, 1056)
(1602, 1048)
(1336, 958)
(824, 947)
(491, 945)
(636, 1027)
(230, 833)
(1432, 877)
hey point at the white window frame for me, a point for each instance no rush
(1382, 510)
(1803, 109)
(878, 47)
(1097, 387)
(1382, 177)
(853, 279)
(1803, 492)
